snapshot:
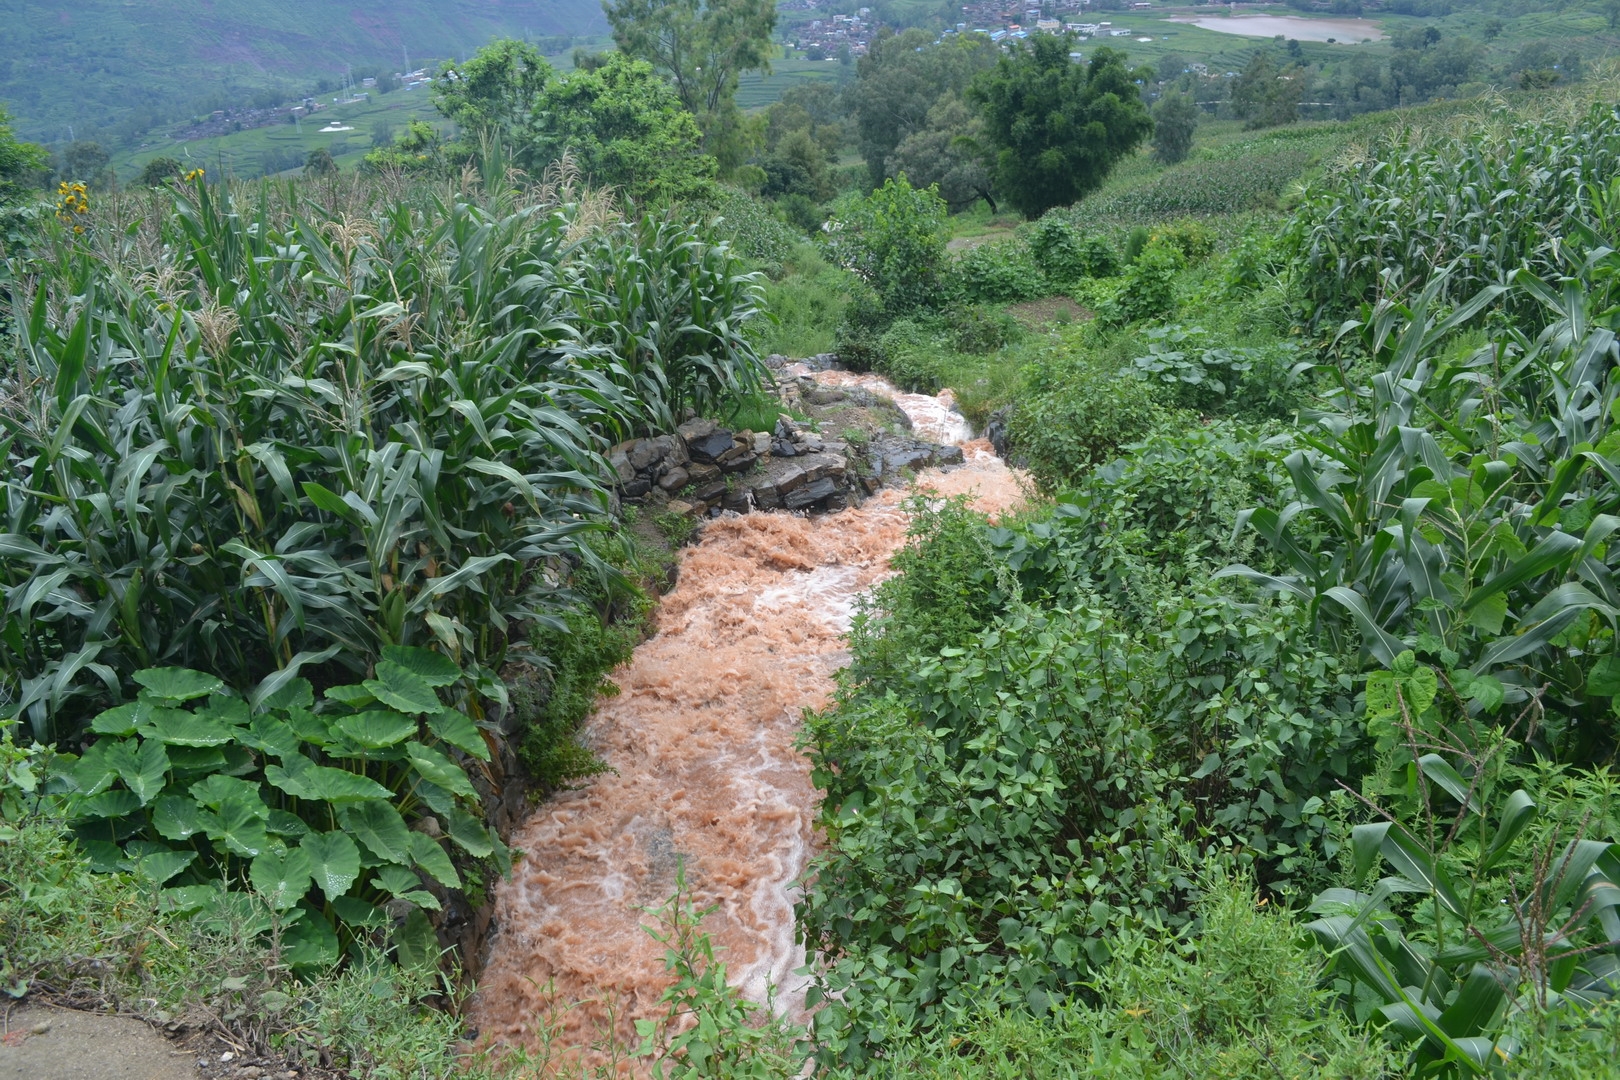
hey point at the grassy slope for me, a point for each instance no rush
(98, 63)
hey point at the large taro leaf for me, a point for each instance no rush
(468, 832)
(435, 669)
(116, 803)
(357, 913)
(405, 885)
(435, 768)
(178, 684)
(459, 732)
(93, 773)
(432, 858)
(416, 945)
(334, 861)
(180, 728)
(401, 688)
(282, 823)
(239, 825)
(271, 736)
(122, 719)
(214, 791)
(303, 779)
(177, 818)
(378, 825)
(141, 766)
(156, 862)
(310, 943)
(281, 879)
(376, 728)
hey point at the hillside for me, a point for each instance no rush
(112, 68)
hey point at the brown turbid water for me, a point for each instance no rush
(701, 743)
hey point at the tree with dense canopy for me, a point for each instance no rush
(1058, 126)
(497, 89)
(703, 46)
(17, 161)
(1175, 117)
(901, 78)
(626, 129)
(159, 171)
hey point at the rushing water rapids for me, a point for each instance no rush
(705, 773)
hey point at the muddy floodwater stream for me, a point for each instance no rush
(705, 773)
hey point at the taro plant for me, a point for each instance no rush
(327, 812)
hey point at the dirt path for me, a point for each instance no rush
(41, 1043)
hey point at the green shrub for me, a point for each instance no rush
(999, 272)
(1066, 432)
(1248, 382)
(976, 329)
(1148, 289)
(1191, 237)
(1065, 254)
(1236, 997)
(858, 340)
(912, 357)
(1135, 241)
(574, 663)
(937, 599)
(747, 222)
(894, 240)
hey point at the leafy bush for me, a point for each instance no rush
(909, 355)
(1002, 808)
(1235, 998)
(197, 794)
(1090, 412)
(977, 329)
(998, 272)
(1148, 288)
(894, 240)
(1251, 383)
(750, 227)
(1191, 237)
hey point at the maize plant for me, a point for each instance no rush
(255, 432)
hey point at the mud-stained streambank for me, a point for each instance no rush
(701, 743)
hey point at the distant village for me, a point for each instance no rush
(225, 121)
(837, 36)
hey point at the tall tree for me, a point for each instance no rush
(899, 81)
(18, 161)
(88, 162)
(624, 127)
(703, 46)
(1266, 95)
(948, 153)
(1058, 126)
(1175, 117)
(496, 89)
